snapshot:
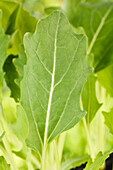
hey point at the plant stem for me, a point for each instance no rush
(101, 133)
(43, 162)
(29, 159)
(61, 142)
(35, 161)
(9, 153)
(8, 158)
(57, 155)
(89, 139)
(6, 149)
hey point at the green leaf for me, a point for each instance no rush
(11, 22)
(97, 23)
(14, 43)
(49, 10)
(19, 23)
(19, 64)
(10, 75)
(98, 162)
(3, 49)
(7, 8)
(54, 75)
(109, 119)
(25, 22)
(76, 141)
(105, 78)
(74, 162)
(89, 100)
(3, 164)
(21, 126)
(2, 135)
(21, 20)
(14, 143)
(70, 6)
(13, 68)
(9, 109)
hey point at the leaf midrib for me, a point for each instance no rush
(52, 86)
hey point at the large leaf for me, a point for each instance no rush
(54, 75)
(89, 100)
(97, 22)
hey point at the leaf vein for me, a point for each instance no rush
(40, 83)
(33, 114)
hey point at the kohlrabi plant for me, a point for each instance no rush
(56, 84)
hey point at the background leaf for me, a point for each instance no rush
(3, 164)
(89, 100)
(98, 162)
(106, 80)
(109, 119)
(96, 21)
(3, 49)
(74, 162)
(10, 75)
(7, 8)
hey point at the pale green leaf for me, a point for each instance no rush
(98, 162)
(3, 49)
(97, 23)
(9, 109)
(3, 164)
(105, 78)
(49, 10)
(76, 141)
(19, 64)
(89, 100)
(2, 135)
(109, 120)
(25, 22)
(54, 75)
(21, 126)
(14, 43)
(18, 24)
(74, 162)
(7, 8)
